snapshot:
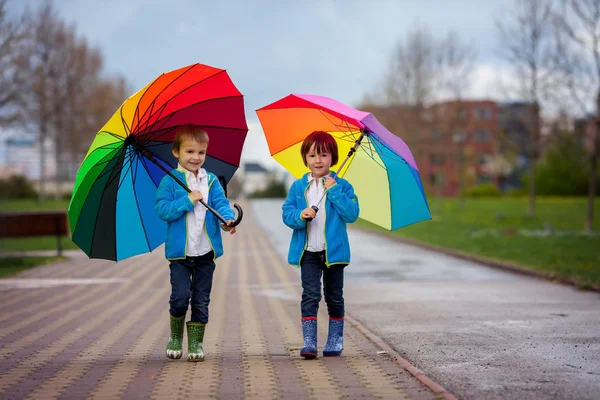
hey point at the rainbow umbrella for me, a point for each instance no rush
(379, 164)
(111, 212)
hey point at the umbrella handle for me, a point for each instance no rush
(223, 220)
(316, 210)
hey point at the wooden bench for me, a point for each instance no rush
(35, 223)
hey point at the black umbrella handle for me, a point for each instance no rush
(316, 210)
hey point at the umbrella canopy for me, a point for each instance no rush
(112, 212)
(382, 170)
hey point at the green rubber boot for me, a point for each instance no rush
(195, 332)
(174, 347)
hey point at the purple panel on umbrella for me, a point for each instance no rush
(334, 105)
(393, 141)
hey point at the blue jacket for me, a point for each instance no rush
(341, 207)
(172, 205)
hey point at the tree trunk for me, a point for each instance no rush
(589, 218)
(534, 154)
(531, 211)
(42, 177)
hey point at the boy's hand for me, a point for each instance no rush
(230, 229)
(308, 213)
(329, 182)
(195, 196)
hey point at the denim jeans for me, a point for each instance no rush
(312, 266)
(191, 279)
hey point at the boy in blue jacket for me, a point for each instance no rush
(193, 238)
(319, 244)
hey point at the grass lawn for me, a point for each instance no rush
(12, 265)
(495, 228)
(500, 229)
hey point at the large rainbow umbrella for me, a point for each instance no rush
(112, 212)
(379, 164)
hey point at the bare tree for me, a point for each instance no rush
(526, 39)
(456, 60)
(578, 54)
(12, 75)
(422, 70)
(44, 65)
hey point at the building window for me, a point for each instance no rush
(482, 136)
(437, 159)
(437, 134)
(483, 178)
(484, 113)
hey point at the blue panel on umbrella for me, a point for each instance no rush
(408, 202)
(145, 192)
(131, 238)
(155, 172)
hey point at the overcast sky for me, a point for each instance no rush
(271, 48)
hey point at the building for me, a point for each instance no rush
(22, 157)
(255, 177)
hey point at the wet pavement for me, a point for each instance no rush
(478, 331)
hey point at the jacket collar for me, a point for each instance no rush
(201, 172)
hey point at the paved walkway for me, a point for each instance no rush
(97, 329)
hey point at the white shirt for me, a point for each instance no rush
(316, 228)
(197, 239)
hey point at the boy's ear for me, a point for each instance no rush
(175, 152)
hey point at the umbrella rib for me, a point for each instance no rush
(333, 123)
(144, 136)
(153, 102)
(101, 198)
(129, 168)
(133, 177)
(166, 118)
(180, 92)
(390, 150)
(107, 157)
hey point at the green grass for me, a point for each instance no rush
(496, 228)
(10, 266)
(491, 228)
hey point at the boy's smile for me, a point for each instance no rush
(191, 155)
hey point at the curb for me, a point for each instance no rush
(404, 363)
(502, 265)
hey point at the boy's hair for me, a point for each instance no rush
(189, 132)
(324, 143)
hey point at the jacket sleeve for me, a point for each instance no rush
(342, 197)
(291, 214)
(167, 207)
(220, 202)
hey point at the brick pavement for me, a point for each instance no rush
(106, 340)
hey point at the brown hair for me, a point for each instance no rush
(189, 132)
(324, 143)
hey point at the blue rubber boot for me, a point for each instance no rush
(335, 338)
(309, 331)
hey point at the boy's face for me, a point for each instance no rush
(191, 154)
(318, 163)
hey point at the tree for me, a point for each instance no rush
(578, 55)
(12, 75)
(456, 60)
(563, 170)
(526, 42)
(44, 67)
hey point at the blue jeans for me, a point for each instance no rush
(191, 279)
(312, 266)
